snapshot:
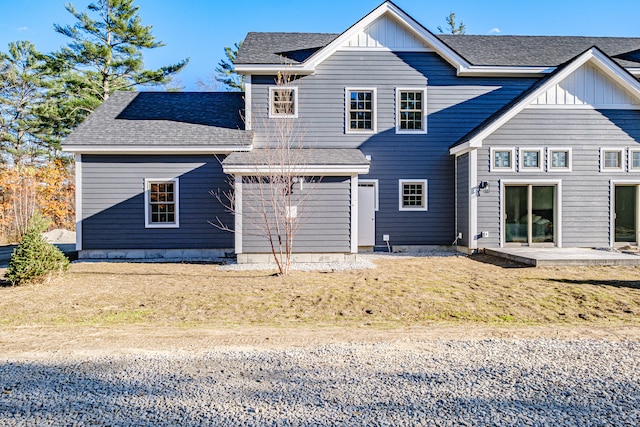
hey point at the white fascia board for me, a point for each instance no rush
(272, 69)
(504, 71)
(461, 149)
(132, 149)
(324, 170)
(601, 61)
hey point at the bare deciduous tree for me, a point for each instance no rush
(271, 197)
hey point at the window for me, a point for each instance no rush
(611, 160)
(410, 110)
(283, 102)
(361, 110)
(502, 159)
(161, 203)
(413, 194)
(634, 159)
(559, 159)
(531, 159)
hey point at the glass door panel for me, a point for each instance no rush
(515, 214)
(542, 214)
(625, 215)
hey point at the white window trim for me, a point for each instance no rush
(374, 108)
(522, 168)
(630, 156)
(622, 152)
(493, 168)
(424, 110)
(375, 189)
(550, 166)
(147, 188)
(272, 114)
(424, 182)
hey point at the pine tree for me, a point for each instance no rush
(105, 54)
(23, 81)
(452, 27)
(226, 70)
(35, 259)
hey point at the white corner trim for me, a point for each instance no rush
(78, 177)
(472, 194)
(176, 186)
(422, 131)
(248, 99)
(237, 200)
(374, 109)
(354, 213)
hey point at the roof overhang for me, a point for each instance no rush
(150, 150)
(603, 62)
(322, 170)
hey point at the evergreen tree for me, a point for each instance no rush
(452, 27)
(105, 55)
(226, 73)
(23, 82)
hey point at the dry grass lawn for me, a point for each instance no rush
(400, 292)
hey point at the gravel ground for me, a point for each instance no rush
(444, 383)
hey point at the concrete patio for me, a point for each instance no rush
(544, 257)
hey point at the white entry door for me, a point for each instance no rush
(366, 215)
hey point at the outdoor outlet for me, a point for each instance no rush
(459, 236)
(485, 234)
(385, 237)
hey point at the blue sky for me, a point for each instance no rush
(199, 29)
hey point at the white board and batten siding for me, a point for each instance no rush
(386, 33)
(587, 87)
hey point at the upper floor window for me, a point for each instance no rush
(161, 203)
(502, 159)
(411, 110)
(283, 102)
(361, 110)
(530, 159)
(634, 159)
(611, 160)
(559, 159)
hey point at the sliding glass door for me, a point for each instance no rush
(530, 214)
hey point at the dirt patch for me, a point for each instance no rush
(122, 307)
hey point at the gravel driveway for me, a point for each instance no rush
(433, 383)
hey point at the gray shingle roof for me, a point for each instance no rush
(549, 51)
(281, 48)
(540, 50)
(307, 157)
(165, 119)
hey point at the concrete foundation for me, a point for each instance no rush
(156, 254)
(307, 258)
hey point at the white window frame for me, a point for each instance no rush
(492, 166)
(552, 168)
(272, 113)
(620, 151)
(399, 90)
(631, 152)
(374, 109)
(373, 183)
(521, 166)
(147, 203)
(425, 193)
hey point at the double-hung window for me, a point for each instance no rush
(413, 194)
(283, 102)
(361, 110)
(411, 110)
(161, 203)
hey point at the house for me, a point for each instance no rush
(420, 140)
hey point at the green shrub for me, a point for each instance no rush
(35, 259)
